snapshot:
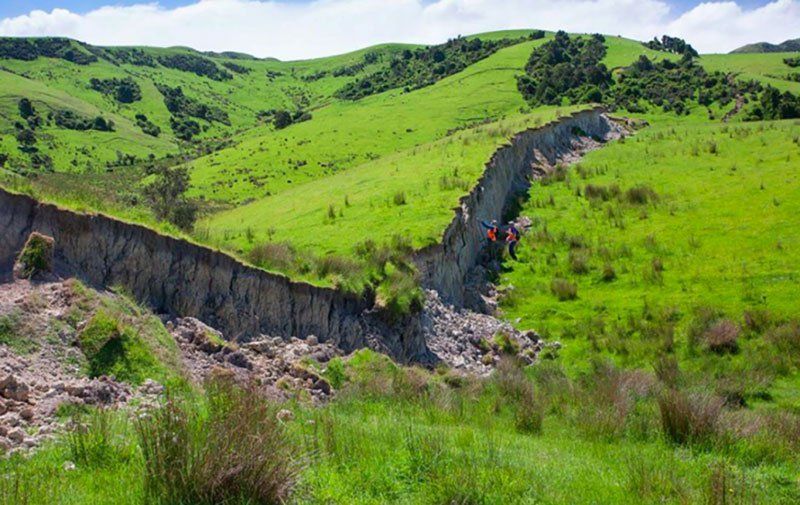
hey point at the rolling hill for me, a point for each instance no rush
(765, 47)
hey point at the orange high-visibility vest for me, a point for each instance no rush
(492, 234)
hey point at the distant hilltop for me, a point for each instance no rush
(765, 47)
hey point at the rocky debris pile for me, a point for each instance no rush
(32, 390)
(473, 342)
(279, 366)
(42, 372)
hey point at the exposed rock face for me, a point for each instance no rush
(535, 152)
(180, 278)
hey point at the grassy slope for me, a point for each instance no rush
(485, 90)
(767, 68)
(725, 229)
(346, 134)
(56, 83)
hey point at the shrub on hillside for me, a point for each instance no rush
(722, 337)
(196, 65)
(579, 261)
(518, 391)
(563, 289)
(115, 349)
(166, 195)
(273, 256)
(417, 68)
(566, 67)
(689, 419)
(641, 195)
(70, 120)
(124, 90)
(147, 126)
(190, 455)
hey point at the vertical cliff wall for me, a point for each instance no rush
(508, 174)
(178, 277)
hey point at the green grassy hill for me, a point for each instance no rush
(766, 68)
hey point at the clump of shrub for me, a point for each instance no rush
(166, 195)
(272, 256)
(722, 337)
(399, 198)
(190, 456)
(124, 90)
(579, 261)
(70, 120)
(609, 273)
(518, 391)
(115, 349)
(148, 127)
(641, 195)
(563, 289)
(195, 64)
(689, 419)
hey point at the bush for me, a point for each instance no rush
(272, 256)
(505, 344)
(335, 373)
(93, 440)
(417, 68)
(166, 196)
(518, 391)
(399, 198)
(722, 337)
(565, 67)
(579, 261)
(197, 65)
(190, 456)
(563, 289)
(609, 274)
(114, 349)
(641, 195)
(124, 90)
(689, 419)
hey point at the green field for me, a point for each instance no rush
(767, 68)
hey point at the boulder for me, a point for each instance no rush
(13, 389)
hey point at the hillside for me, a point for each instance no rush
(765, 47)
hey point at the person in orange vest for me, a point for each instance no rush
(492, 230)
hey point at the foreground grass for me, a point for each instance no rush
(399, 435)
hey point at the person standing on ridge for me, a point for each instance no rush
(512, 239)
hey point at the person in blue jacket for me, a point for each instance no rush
(512, 239)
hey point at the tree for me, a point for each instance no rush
(26, 137)
(282, 119)
(26, 108)
(167, 197)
